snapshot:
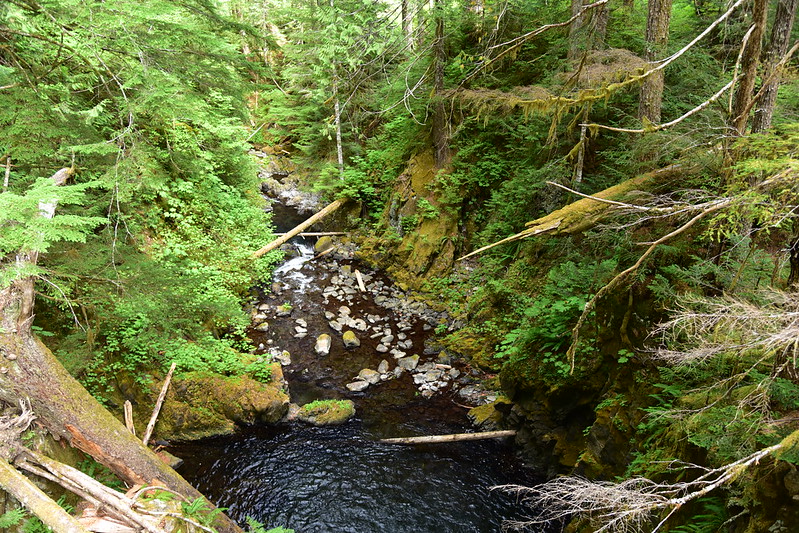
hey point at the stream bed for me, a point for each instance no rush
(338, 478)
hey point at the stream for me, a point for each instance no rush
(338, 478)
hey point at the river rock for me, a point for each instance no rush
(329, 315)
(301, 322)
(282, 356)
(433, 375)
(418, 379)
(323, 244)
(382, 348)
(263, 326)
(344, 310)
(369, 375)
(357, 386)
(350, 339)
(408, 363)
(323, 343)
(383, 366)
(359, 324)
(387, 339)
(398, 370)
(326, 412)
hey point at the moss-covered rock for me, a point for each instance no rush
(490, 416)
(201, 405)
(419, 241)
(327, 412)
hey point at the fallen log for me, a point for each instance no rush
(316, 234)
(299, 229)
(454, 437)
(585, 213)
(37, 502)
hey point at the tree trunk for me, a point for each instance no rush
(453, 437)
(657, 38)
(778, 46)
(298, 229)
(440, 145)
(407, 16)
(749, 62)
(588, 31)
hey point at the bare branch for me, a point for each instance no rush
(633, 503)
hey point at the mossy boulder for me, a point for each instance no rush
(200, 405)
(327, 412)
(489, 417)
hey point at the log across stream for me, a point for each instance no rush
(341, 479)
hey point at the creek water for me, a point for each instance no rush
(339, 479)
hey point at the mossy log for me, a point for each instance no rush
(585, 213)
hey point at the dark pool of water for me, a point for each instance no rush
(340, 479)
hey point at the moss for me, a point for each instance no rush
(327, 412)
(490, 416)
(201, 405)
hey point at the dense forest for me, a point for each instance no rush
(600, 195)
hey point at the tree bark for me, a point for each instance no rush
(778, 46)
(750, 58)
(657, 38)
(440, 141)
(587, 31)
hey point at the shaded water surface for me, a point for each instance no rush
(339, 479)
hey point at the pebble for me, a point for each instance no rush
(357, 386)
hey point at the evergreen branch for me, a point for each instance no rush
(616, 281)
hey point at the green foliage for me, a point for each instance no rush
(258, 527)
(545, 331)
(201, 511)
(709, 519)
(152, 118)
(101, 473)
(12, 517)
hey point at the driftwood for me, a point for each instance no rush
(454, 437)
(585, 213)
(127, 408)
(157, 409)
(316, 234)
(39, 503)
(299, 229)
(359, 277)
